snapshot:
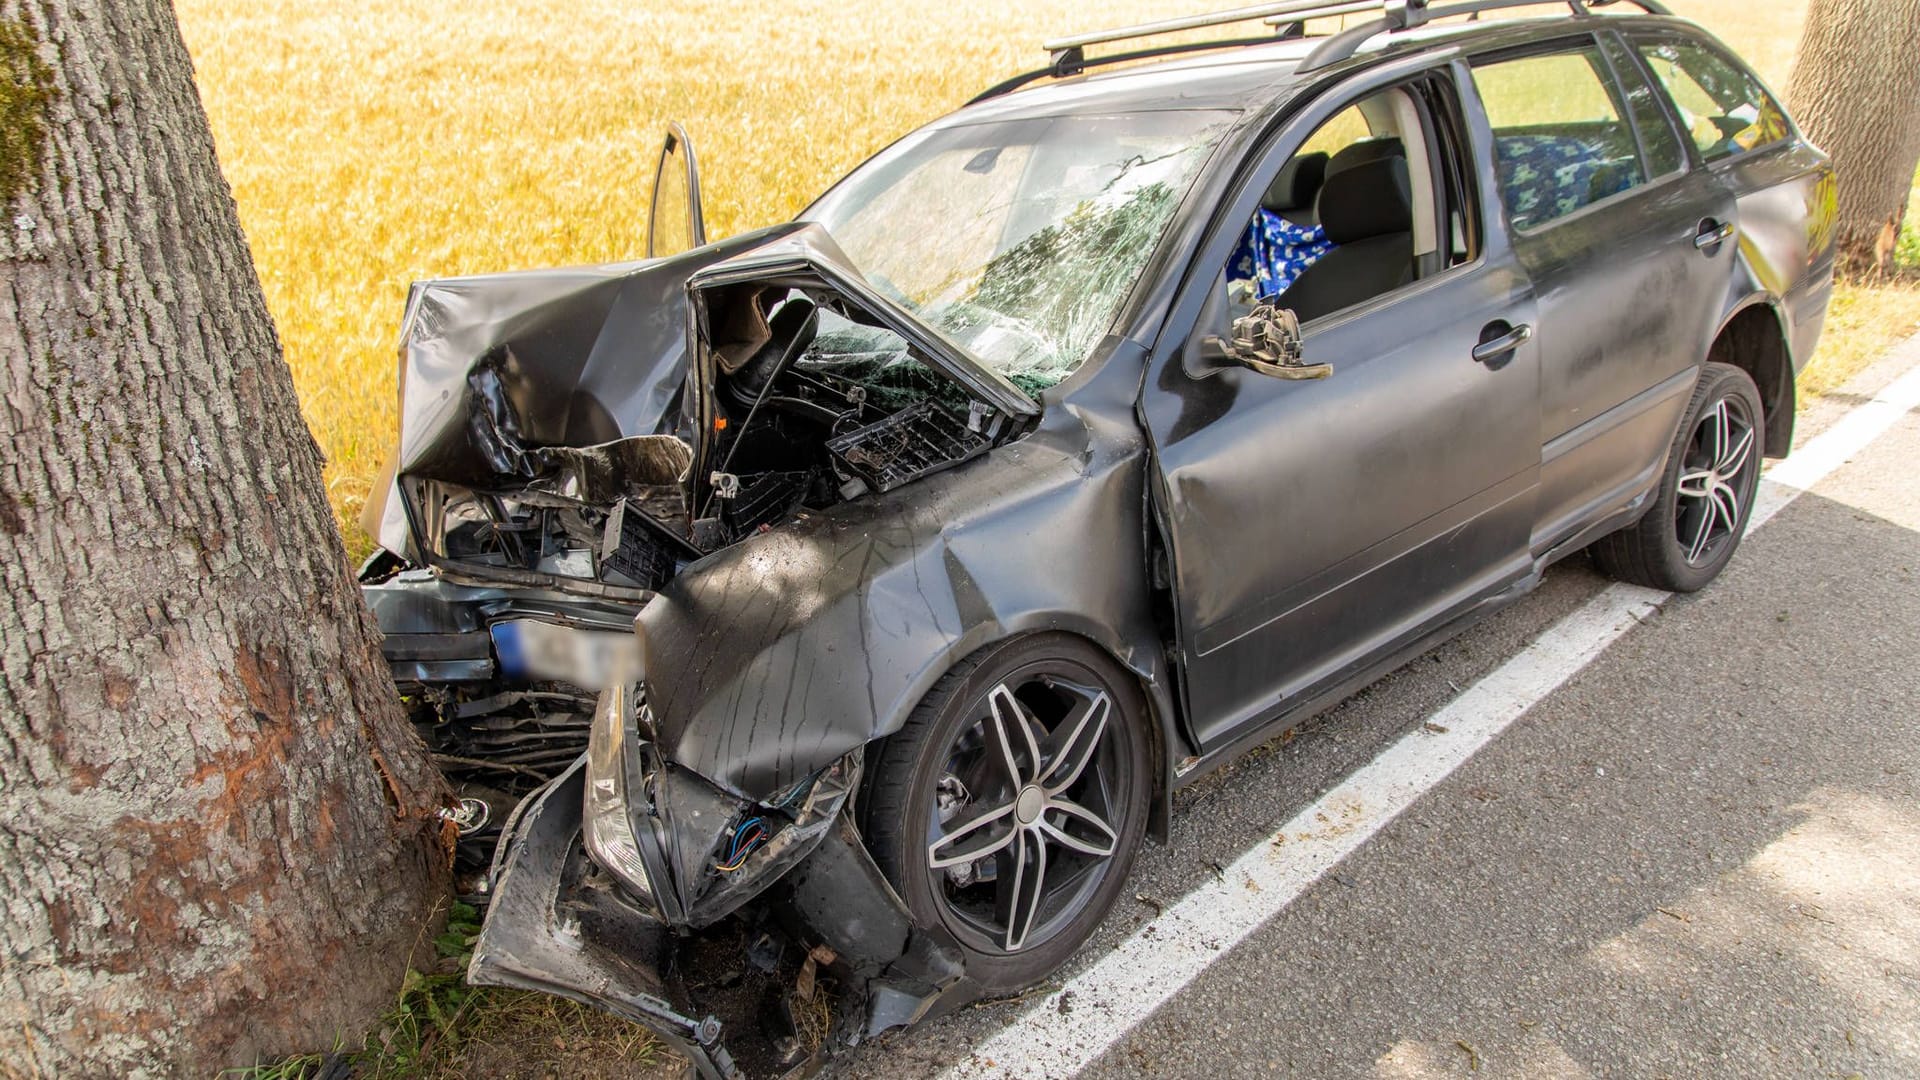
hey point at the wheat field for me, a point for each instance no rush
(374, 144)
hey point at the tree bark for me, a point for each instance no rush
(1856, 93)
(218, 839)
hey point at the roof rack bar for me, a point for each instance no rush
(1069, 56)
(1416, 13)
(1322, 11)
(1068, 62)
(1301, 9)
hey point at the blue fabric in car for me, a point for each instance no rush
(1275, 251)
(1545, 176)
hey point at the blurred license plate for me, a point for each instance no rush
(542, 651)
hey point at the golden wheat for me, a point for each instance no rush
(374, 144)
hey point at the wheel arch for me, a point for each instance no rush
(1753, 338)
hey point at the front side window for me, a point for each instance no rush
(1355, 213)
(1019, 240)
(1560, 141)
(1724, 109)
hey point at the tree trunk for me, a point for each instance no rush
(218, 839)
(1856, 93)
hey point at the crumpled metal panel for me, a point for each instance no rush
(568, 357)
(769, 659)
(554, 928)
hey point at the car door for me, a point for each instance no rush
(675, 221)
(1629, 251)
(1313, 524)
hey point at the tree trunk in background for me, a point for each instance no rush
(1856, 93)
(217, 829)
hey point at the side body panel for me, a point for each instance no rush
(1786, 200)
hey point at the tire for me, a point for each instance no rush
(1706, 496)
(944, 788)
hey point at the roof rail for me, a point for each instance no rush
(1296, 8)
(1407, 14)
(1068, 54)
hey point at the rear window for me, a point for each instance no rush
(1724, 110)
(1560, 141)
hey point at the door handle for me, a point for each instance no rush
(1497, 350)
(1712, 233)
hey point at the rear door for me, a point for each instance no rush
(1629, 249)
(1316, 524)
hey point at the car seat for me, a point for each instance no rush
(1366, 210)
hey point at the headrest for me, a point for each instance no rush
(1367, 193)
(1366, 150)
(790, 331)
(1299, 181)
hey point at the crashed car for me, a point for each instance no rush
(820, 618)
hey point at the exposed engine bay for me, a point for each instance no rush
(812, 402)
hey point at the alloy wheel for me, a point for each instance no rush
(1023, 829)
(1715, 481)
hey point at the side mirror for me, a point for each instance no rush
(674, 221)
(1266, 340)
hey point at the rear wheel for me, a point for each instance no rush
(1008, 809)
(1706, 497)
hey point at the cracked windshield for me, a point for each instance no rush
(1019, 240)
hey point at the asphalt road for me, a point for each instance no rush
(1700, 856)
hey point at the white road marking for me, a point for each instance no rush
(1128, 984)
(1834, 447)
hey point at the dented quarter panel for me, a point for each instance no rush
(771, 658)
(1785, 198)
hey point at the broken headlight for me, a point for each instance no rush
(680, 845)
(613, 762)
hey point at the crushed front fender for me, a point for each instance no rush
(559, 925)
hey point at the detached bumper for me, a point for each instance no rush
(556, 926)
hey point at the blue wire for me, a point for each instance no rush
(737, 847)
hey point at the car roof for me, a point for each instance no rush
(1251, 76)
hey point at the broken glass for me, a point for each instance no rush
(1019, 240)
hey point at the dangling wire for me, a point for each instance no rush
(747, 836)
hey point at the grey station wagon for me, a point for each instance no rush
(827, 614)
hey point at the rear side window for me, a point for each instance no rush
(1724, 109)
(1560, 142)
(1657, 138)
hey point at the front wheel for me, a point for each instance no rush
(1706, 496)
(1008, 808)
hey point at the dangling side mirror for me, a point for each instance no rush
(1264, 340)
(1267, 340)
(674, 220)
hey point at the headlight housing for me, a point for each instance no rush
(612, 747)
(688, 851)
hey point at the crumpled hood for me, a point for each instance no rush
(495, 368)
(568, 357)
